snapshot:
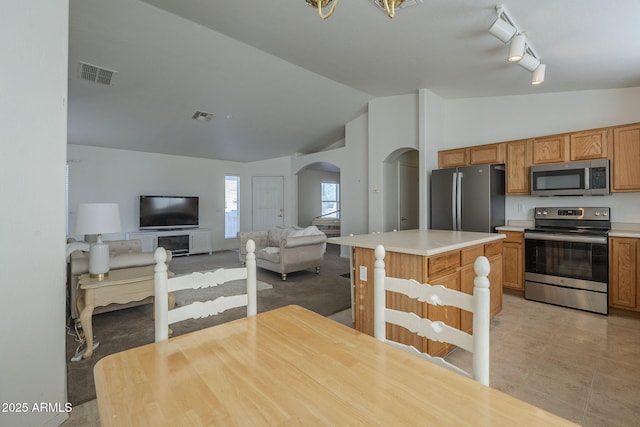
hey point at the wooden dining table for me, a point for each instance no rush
(290, 366)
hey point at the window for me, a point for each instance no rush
(330, 200)
(231, 206)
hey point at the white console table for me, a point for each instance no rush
(179, 242)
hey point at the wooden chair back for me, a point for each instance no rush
(163, 285)
(479, 304)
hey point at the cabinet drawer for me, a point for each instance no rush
(469, 255)
(444, 262)
(513, 236)
(493, 248)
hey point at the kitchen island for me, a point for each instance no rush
(437, 257)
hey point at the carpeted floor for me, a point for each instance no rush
(326, 293)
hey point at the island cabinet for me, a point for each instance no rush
(624, 273)
(453, 269)
(625, 158)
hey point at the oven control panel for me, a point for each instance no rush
(572, 213)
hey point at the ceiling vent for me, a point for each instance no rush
(96, 74)
(201, 116)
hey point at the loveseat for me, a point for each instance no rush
(286, 249)
(122, 254)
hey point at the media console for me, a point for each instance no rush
(179, 242)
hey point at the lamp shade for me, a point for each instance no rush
(97, 218)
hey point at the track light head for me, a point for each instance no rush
(517, 49)
(538, 75)
(529, 61)
(502, 29)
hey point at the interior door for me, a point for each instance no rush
(267, 207)
(408, 195)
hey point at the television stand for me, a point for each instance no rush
(189, 241)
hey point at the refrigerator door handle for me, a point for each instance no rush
(454, 193)
(459, 202)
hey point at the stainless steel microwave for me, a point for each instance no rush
(571, 179)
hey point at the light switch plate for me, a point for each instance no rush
(363, 273)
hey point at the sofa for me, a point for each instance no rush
(122, 254)
(286, 249)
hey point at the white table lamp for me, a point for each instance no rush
(98, 219)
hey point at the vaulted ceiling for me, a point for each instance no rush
(279, 80)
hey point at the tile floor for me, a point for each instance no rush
(582, 366)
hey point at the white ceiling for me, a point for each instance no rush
(281, 81)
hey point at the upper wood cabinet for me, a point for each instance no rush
(590, 144)
(453, 158)
(477, 155)
(487, 154)
(550, 149)
(517, 163)
(625, 158)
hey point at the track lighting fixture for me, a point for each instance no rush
(520, 51)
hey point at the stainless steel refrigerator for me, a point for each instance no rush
(468, 199)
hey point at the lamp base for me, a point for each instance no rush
(99, 259)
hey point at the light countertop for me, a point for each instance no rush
(625, 229)
(418, 242)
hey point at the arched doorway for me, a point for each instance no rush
(319, 195)
(401, 190)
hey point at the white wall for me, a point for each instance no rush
(33, 117)
(121, 176)
(431, 140)
(477, 121)
(393, 124)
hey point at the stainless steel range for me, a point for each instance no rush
(566, 258)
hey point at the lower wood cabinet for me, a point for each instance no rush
(452, 269)
(624, 273)
(513, 260)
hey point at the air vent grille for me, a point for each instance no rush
(201, 116)
(96, 74)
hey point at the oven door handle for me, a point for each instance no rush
(565, 238)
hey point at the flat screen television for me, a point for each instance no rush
(168, 212)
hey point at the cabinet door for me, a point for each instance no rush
(487, 154)
(453, 158)
(518, 163)
(552, 149)
(591, 144)
(513, 266)
(625, 170)
(449, 315)
(495, 284)
(623, 272)
(200, 242)
(513, 260)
